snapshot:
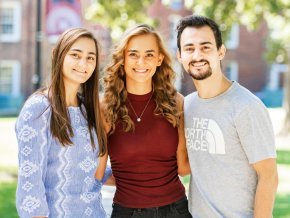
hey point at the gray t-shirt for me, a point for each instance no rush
(224, 136)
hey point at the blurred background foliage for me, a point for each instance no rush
(120, 15)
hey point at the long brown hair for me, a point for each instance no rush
(115, 95)
(89, 94)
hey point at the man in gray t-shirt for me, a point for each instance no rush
(229, 135)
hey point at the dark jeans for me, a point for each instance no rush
(178, 209)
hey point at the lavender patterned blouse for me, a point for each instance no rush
(56, 181)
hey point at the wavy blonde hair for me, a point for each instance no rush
(115, 96)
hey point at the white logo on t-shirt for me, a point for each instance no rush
(205, 135)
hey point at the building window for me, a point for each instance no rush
(276, 74)
(10, 21)
(232, 71)
(173, 20)
(9, 78)
(232, 41)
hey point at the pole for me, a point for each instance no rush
(38, 38)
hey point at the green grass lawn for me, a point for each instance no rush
(7, 199)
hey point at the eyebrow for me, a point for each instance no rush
(203, 43)
(78, 50)
(147, 51)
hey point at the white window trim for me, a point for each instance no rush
(233, 40)
(234, 70)
(274, 77)
(16, 69)
(16, 35)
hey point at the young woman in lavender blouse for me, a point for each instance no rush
(61, 137)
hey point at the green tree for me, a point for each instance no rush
(119, 15)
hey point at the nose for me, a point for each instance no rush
(82, 63)
(141, 60)
(196, 54)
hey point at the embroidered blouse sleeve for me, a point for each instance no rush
(100, 183)
(32, 130)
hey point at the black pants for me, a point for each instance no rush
(178, 209)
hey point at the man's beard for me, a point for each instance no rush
(199, 74)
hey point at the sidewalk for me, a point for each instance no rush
(108, 194)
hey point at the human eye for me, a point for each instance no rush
(74, 55)
(189, 49)
(133, 55)
(150, 55)
(206, 48)
(91, 58)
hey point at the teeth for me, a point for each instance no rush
(140, 71)
(198, 64)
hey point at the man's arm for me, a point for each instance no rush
(182, 156)
(266, 187)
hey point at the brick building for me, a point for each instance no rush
(17, 52)
(18, 40)
(243, 62)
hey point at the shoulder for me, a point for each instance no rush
(36, 106)
(246, 106)
(106, 124)
(179, 100)
(190, 98)
(36, 101)
(191, 95)
(244, 98)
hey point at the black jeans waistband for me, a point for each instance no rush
(151, 208)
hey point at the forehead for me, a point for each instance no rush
(197, 35)
(143, 43)
(84, 44)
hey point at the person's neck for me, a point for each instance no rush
(71, 98)
(139, 89)
(212, 86)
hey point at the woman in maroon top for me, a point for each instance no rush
(144, 117)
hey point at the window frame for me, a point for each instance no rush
(15, 36)
(233, 73)
(15, 82)
(233, 39)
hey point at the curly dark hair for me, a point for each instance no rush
(199, 21)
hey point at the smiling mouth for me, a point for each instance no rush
(198, 64)
(81, 72)
(140, 71)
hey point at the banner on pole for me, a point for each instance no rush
(62, 15)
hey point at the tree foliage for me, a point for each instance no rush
(251, 13)
(119, 15)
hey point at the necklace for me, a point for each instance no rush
(139, 117)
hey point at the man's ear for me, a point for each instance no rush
(222, 52)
